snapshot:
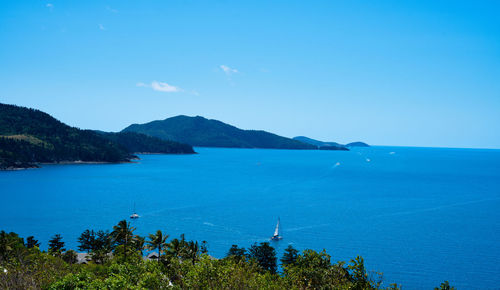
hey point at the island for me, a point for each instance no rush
(329, 145)
(29, 137)
(202, 132)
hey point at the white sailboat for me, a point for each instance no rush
(276, 236)
(134, 215)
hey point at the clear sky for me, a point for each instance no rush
(417, 73)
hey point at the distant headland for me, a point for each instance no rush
(29, 137)
(202, 132)
(329, 145)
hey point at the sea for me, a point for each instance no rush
(418, 215)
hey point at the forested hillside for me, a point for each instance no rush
(141, 143)
(199, 131)
(29, 136)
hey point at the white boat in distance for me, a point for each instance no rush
(134, 215)
(276, 236)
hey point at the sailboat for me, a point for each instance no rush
(134, 215)
(276, 236)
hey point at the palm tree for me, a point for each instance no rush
(123, 234)
(157, 241)
(192, 250)
(174, 248)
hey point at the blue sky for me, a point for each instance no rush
(416, 73)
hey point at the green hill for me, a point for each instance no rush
(357, 144)
(199, 131)
(29, 137)
(320, 144)
(330, 145)
(140, 143)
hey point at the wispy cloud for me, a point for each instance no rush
(50, 6)
(111, 9)
(161, 87)
(228, 70)
(101, 27)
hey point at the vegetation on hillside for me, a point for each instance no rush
(357, 144)
(141, 143)
(115, 261)
(329, 145)
(29, 137)
(198, 131)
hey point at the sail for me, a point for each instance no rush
(277, 230)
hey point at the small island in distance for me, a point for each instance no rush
(329, 145)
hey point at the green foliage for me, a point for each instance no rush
(204, 247)
(198, 131)
(141, 143)
(144, 275)
(127, 246)
(56, 245)
(31, 242)
(99, 244)
(360, 277)
(86, 241)
(70, 257)
(235, 253)
(182, 266)
(32, 269)
(11, 246)
(315, 270)
(265, 256)
(290, 256)
(445, 286)
(211, 273)
(29, 136)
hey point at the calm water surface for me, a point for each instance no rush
(419, 215)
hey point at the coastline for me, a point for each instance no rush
(156, 153)
(77, 162)
(80, 162)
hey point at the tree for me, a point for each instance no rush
(360, 276)
(290, 256)
(31, 242)
(70, 257)
(123, 235)
(137, 244)
(103, 242)
(98, 244)
(445, 286)
(157, 241)
(265, 255)
(56, 245)
(86, 241)
(11, 246)
(235, 253)
(174, 248)
(191, 251)
(204, 247)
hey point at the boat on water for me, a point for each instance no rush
(134, 215)
(276, 236)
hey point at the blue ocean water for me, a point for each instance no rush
(419, 215)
